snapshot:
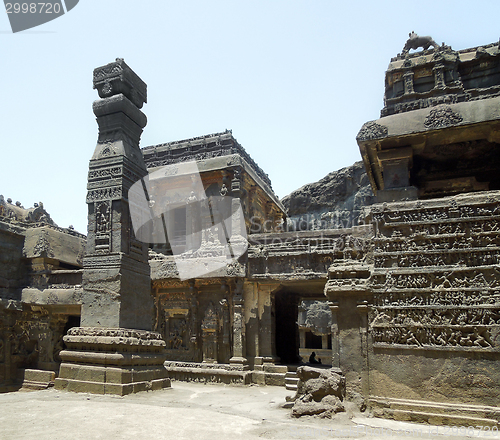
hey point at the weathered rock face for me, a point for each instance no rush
(319, 392)
(334, 202)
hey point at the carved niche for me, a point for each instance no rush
(103, 217)
(176, 318)
(102, 226)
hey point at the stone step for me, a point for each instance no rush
(441, 419)
(37, 379)
(435, 413)
(272, 368)
(291, 381)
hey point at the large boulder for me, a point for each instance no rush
(320, 392)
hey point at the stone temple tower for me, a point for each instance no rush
(114, 350)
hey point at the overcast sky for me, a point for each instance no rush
(294, 80)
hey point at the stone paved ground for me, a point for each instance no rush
(187, 411)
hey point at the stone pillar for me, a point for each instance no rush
(362, 308)
(334, 308)
(193, 323)
(238, 357)
(209, 331)
(114, 350)
(237, 223)
(302, 338)
(267, 336)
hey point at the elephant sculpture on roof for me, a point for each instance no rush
(415, 41)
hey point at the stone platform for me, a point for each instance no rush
(112, 361)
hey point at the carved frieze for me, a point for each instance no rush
(439, 316)
(105, 173)
(112, 193)
(451, 298)
(478, 337)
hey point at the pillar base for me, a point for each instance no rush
(240, 361)
(112, 361)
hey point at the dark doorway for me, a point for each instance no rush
(287, 333)
(314, 341)
(73, 321)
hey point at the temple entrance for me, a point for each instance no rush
(315, 329)
(287, 334)
(303, 325)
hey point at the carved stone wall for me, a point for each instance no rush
(194, 319)
(435, 318)
(30, 337)
(40, 289)
(12, 270)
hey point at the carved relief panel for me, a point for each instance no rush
(436, 277)
(102, 226)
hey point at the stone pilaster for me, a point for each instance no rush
(238, 357)
(334, 308)
(439, 81)
(396, 165)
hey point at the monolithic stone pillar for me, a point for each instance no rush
(114, 350)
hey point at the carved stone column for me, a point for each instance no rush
(114, 350)
(238, 357)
